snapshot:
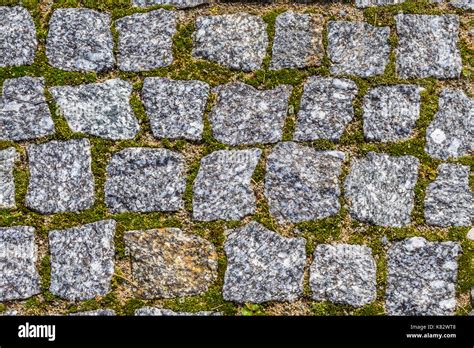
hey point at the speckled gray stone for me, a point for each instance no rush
(464, 4)
(343, 273)
(153, 311)
(175, 3)
(24, 114)
(144, 180)
(82, 260)
(19, 278)
(301, 183)
(369, 3)
(100, 109)
(262, 265)
(175, 108)
(7, 183)
(244, 115)
(169, 263)
(237, 41)
(222, 188)
(427, 46)
(379, 189)
(145, 40)
(298, 41)
(326, 108)
(422, 277)
(79, 39)
(390, 112)
(96, 313)
(451, 134)
(449, 200)
(61, 178)
(358, 48)
(17, 37)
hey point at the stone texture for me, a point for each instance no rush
(222, 187)
(175, 3)
(79, 39)
(298, 41)
(17, 37)
(369, 3)
(244, 115)
(262, 265)
(449, 200)
(451, 134)
(358, 48)
(390, 112)
(24, 114)
(145, 40)
(96, 313)
(61, 178)
(238, 41)
(301, 183)
(379, 189)
(144, 180)
(343, 273)
(470, 234)
(153, 311)
(463, 4)
(82, 260)
(175, 108)
(169, 263)
(422, 277)
(99, 109)
(18, 253)
(7, 183)
(326, 108)
(427, 46)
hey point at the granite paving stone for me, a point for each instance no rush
(245, 115)
(82, 260)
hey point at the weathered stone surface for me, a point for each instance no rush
(170, 263)
(175, 108)
(7, 183)
(422, 277)
(144, 180)
(379, 189)
(369, 3)
(79, 39)
(222, 187)
(301, 183)
(449, 200)
(470, 234)
(246, 115)
(343, 273)
(145, 40)
(451, 134)
(175, 3)
(100, 109)
(17, 37)
(18, 276)
(24, 114)
(427, 46)
(464, 4)
(61, 178)
(82, 260)
(326, 108)
(153, 311)
(262, 265)
(358, 48)
(390, 112)
(237, 41)
(96, 313)
(298, 41)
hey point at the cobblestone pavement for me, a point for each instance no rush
(237, 159)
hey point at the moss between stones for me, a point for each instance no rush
(337, 228)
